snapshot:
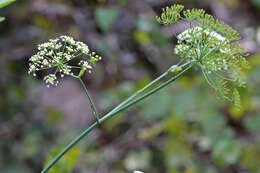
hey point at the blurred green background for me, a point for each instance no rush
(181, 129)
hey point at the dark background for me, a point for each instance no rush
(182, 129)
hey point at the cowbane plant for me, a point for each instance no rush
(213, 46)
(207, 43)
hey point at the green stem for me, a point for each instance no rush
(148, 86)
(92, 105)
(164, 84)
(114, 112)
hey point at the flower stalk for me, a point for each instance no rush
(92, 105)
(132, 100)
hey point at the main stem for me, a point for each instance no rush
(120, 108)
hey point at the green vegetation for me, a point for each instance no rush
(201, 123)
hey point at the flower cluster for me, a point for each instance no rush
(196, 42)
(56, 54)
(212, 45)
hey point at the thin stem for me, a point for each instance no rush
(76, 67)
(112, 113)
(92, 105)
(68, 147)
(207, 78)
(148, 86)
(226, 78)
(74, 56)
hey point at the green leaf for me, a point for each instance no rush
(4, 3)
(105, 18)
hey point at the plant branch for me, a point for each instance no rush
(127, 103)
(148, 86)
(92, 105)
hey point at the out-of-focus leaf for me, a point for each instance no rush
(111, 125)
(54, 115)
(142, 36)
(138, 160)
(252, 123)
(142, 83)
(2, 19)
(44, 23)
(145, 24)
(212, 121)
(4, 3)
(214, 127)
(150, 132)
(105, 18)
(66, 164)
(31, 143)
(102, 1)
(158, 37)
(155, 106)
(251, 158)
(256, 3)
(176, 126)
(148, 30)
(183, 101)
(123, 2)
(177, 152)
(226, 152)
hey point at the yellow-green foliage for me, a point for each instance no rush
(170, 14)
(236, 98)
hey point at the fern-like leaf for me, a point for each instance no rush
(170, 15)
(236, 99)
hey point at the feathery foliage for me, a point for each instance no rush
(170, 14)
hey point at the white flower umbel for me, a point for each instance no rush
(57, 53)
(198, 44)
(196, 32)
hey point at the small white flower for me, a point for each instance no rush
(85, 65)
(83, 47)
(50, 80)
